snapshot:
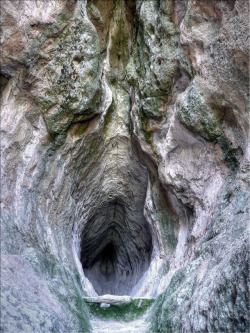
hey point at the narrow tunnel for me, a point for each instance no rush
(114, 252)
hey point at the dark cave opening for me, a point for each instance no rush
(107, 260)
(114, 252)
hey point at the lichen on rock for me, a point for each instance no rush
(125, 166)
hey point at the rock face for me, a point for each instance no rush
(125, 162)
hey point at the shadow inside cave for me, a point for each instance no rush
(115, 253)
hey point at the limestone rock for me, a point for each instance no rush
(125, 165)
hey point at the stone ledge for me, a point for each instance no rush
(116, 300)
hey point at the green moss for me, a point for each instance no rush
(167, 223)
(82, 128)
(82, 312)
(167, 229)
(198, 117)
(57, 26)
(144, 126)
(119, 52)
(204, 120)
(161, 313)
(56, 140)
(230, 155)
(51, 31)
(165, 217)
(155, 312)
(132, 69)
(126, 312)
(152, 107)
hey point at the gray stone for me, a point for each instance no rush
(125, 165)
(104, 305)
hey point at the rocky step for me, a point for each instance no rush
(125, 308)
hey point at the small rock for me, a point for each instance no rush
(104, 305)
(140, 303)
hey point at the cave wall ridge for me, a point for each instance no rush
(125, 163)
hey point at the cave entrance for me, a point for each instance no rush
(115, 250)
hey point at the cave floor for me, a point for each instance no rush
(111, 313)
(112, 326)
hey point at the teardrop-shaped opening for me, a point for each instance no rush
(114, 252)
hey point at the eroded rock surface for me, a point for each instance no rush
(125, 163)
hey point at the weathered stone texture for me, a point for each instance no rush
(125, 162)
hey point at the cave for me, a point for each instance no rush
(115, 245)
(114, 253)
(124, 166)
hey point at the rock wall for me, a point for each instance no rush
(125, 161)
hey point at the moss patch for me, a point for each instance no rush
(166, 303)
(82, 128)
(230, 155)
(144, 126)
(126, 312)
(204, 120)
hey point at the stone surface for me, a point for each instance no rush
(114, 299)
(125, 165)
(31, 303)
